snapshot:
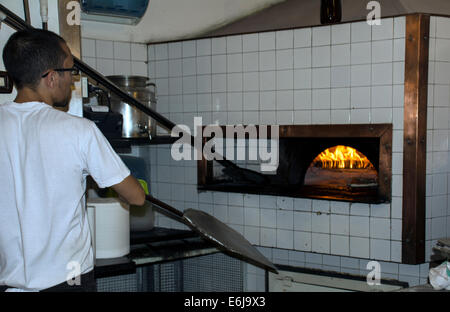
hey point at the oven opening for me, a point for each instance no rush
(343, 171)
(333, 162)
(341, 157)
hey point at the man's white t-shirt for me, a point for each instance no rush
(45, 157)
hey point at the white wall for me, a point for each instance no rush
(17, 7)
(115, 57)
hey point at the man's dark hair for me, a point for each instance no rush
(29, 54)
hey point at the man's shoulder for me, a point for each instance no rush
(71, 123)
(66, 117)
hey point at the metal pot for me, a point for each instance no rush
(136, 124)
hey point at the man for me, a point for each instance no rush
(45, 157)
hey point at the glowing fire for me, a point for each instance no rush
(343, 157)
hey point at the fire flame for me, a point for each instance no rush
(341, 156)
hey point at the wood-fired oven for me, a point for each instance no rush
(334, 162)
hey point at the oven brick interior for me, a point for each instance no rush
(340, 74)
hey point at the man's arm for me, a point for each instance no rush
(131, 191)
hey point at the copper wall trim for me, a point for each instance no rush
(415, 135)
(70, 33)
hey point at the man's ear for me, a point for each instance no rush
(50, 80)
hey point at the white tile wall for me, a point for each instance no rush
(348, 73)
(437, 190)
(121, 58)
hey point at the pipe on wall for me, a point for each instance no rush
(26, 9)
(44, 13)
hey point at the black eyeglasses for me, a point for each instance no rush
(74, 71)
